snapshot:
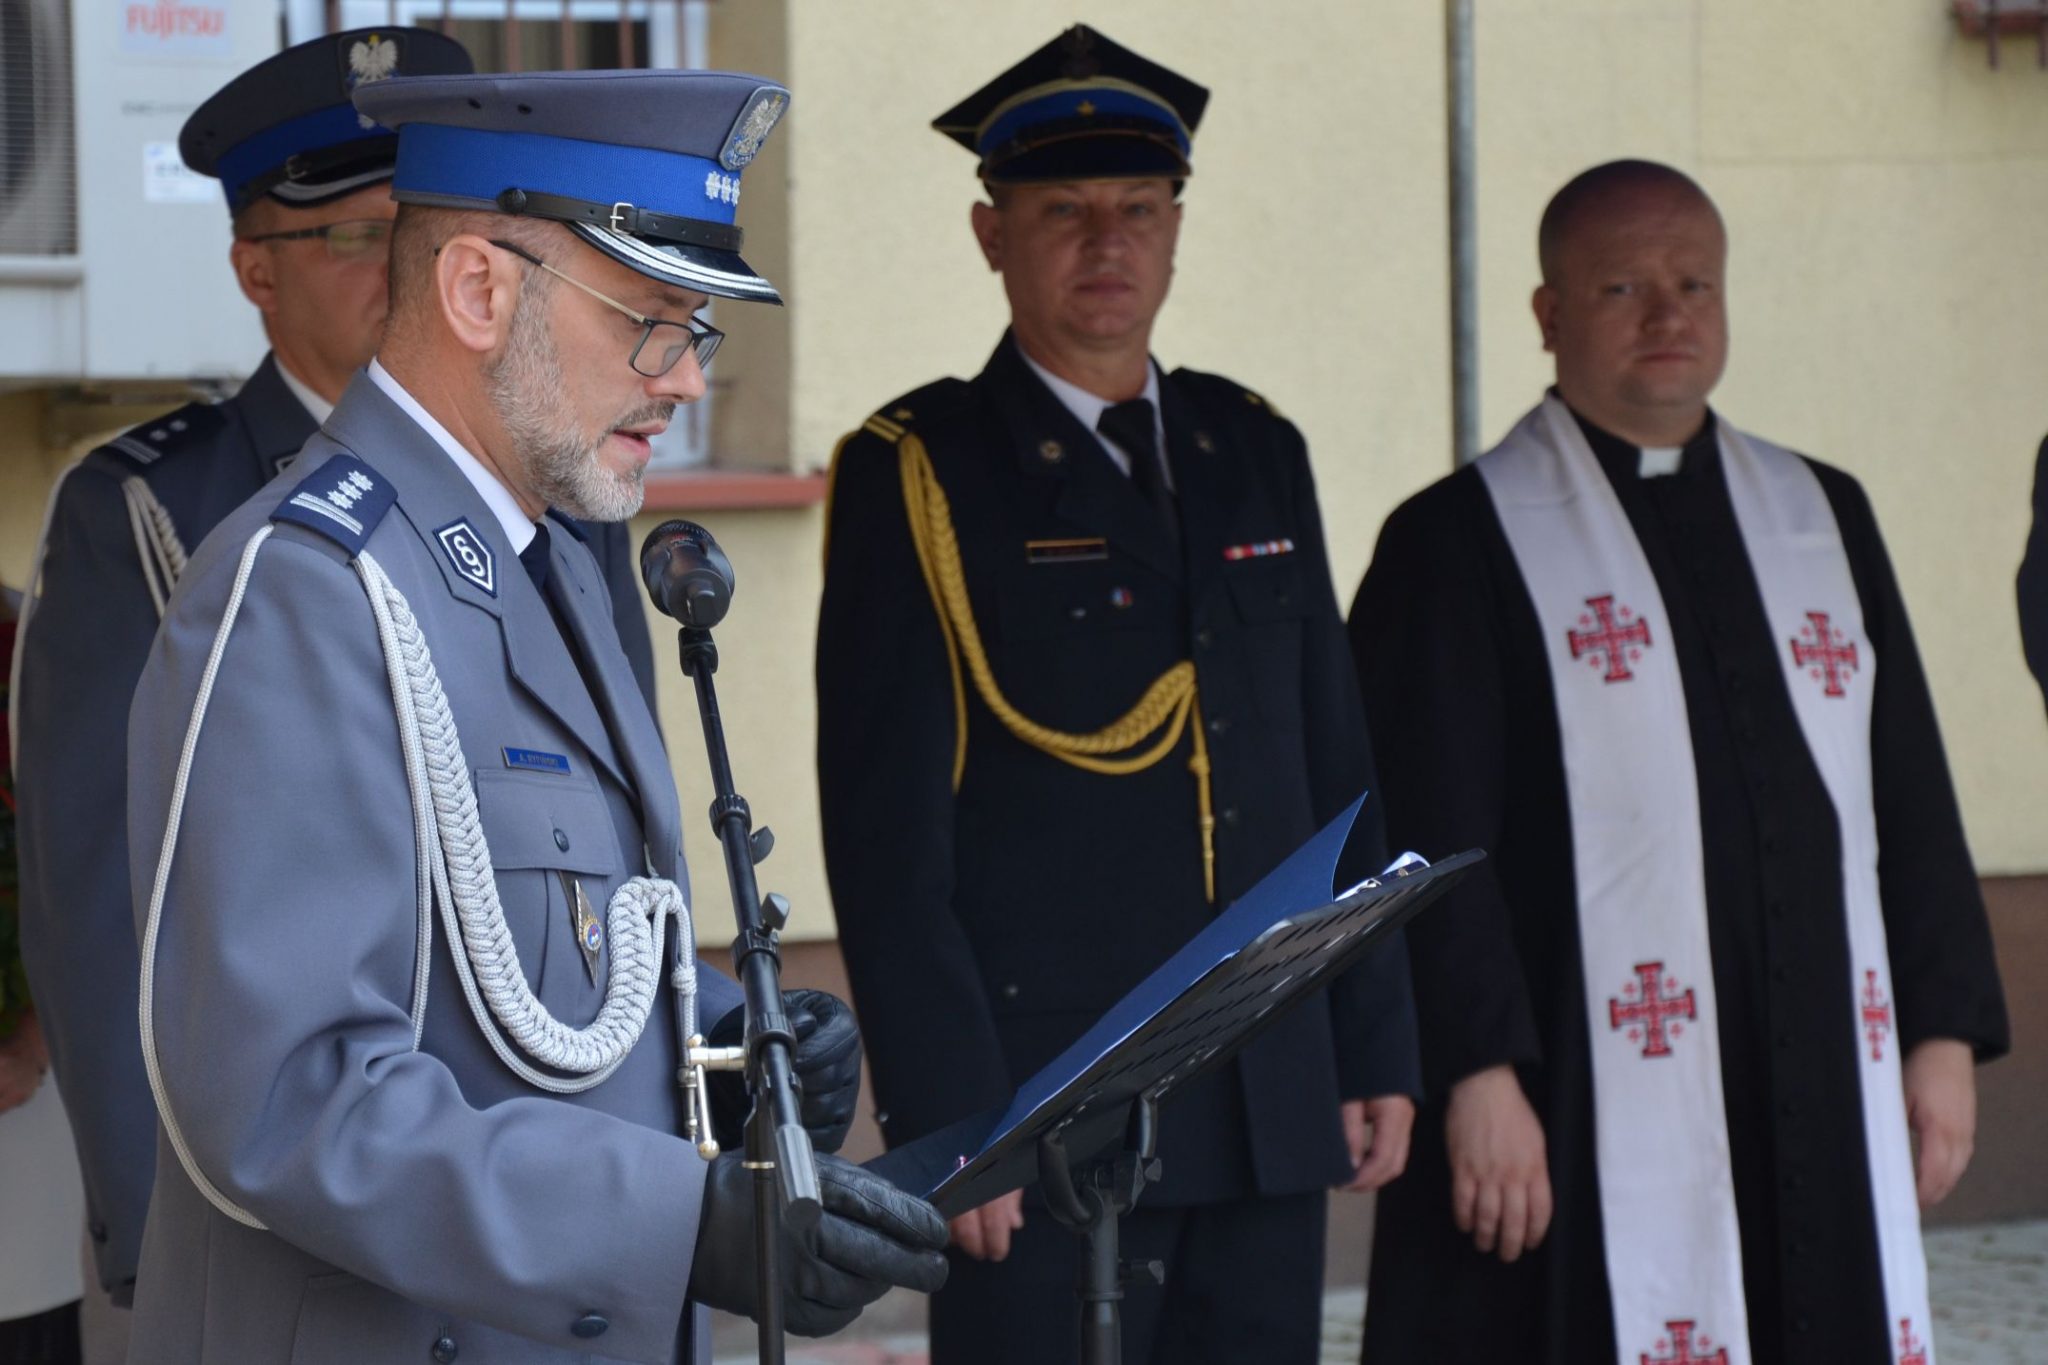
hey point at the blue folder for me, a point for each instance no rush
(1287, 936)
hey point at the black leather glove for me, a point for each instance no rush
(827, 1067)
(872, 1238)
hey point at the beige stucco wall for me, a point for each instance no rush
(1883, 190)
(1876, 177)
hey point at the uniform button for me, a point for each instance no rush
(1230, 815)
(1077, 613)
(444, 1350)
(1205, 637)
(561, 841)
(589, 1325)
(1010, 991)
(1219, 725)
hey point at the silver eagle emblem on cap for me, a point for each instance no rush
(370, 60)
(763, 111)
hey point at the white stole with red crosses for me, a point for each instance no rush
(1667, 1197)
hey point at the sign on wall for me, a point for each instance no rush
(175, 28)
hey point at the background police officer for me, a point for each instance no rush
(308, 186)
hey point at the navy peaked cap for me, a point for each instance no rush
(285, 127)
(1079, 108)
(643, 165)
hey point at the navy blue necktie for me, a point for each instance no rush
(534, 559)
(1132, 426)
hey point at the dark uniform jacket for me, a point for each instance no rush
(985, 929)
(82, 651)
(2033, 578)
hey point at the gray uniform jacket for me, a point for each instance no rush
(81, 655)
(422, 1202)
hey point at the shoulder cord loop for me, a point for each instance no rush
(156, 541)
(453, 869)
(1165, 706)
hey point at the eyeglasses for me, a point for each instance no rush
(668, 351)
(359, 239)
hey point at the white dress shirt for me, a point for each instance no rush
(303, 391)
(1088, 409)
(517, 525)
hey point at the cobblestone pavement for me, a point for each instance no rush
(1990, 1288)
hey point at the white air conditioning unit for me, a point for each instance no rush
(113, 257)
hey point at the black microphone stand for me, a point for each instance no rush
(778, 1149)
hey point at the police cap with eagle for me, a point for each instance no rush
(285, 127)
(1079, 108)
(643, 165)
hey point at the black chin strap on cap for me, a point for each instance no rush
(639, 222)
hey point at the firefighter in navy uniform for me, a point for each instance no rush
(308, 184)
(1073, 699)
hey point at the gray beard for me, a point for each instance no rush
(560, 461)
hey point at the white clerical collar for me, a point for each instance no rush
(517, 525)
(303, 391)
(1088, 409)
(1656, 461)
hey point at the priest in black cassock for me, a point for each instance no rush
(1698, 1040)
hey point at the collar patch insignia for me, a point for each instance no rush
(469, 554)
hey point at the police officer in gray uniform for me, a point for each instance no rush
(407, 852)
(307, 185)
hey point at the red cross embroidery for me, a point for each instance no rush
(1827, 649)
(1912, 1351)
(1619, 637)
(1682, 1346)
(1877, 1016)
(1643, 1008)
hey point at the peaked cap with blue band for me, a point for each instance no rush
(643, 165)
(285, 126)
(1079, 108)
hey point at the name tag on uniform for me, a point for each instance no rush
(1065, 551)
(537, 761)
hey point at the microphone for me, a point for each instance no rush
(686, 573)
